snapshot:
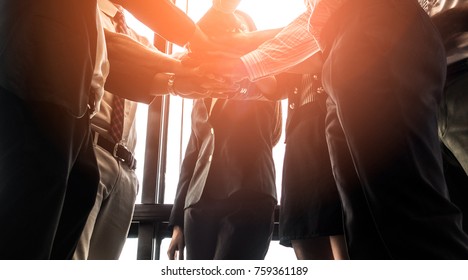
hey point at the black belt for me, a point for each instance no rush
(118, 150)
(456, 67)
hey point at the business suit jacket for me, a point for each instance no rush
(229, 151)
(47, 50)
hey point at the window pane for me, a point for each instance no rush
(129, 251)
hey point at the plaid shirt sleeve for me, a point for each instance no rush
(291, 46)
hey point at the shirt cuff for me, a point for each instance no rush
(252, 63)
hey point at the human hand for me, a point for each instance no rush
(200, 42)
(235, 43)
(232, 69)
(177, 245)
(201, 87)
(213, 23)
(189, 86)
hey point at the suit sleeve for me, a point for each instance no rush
(186, 173)
(133, 67)
(163, 17)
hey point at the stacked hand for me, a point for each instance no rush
(219, 68)
(190, 82)
(198, 86)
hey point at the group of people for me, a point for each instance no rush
(363, 170)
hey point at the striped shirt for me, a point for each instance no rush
(291, 46)
(297, 41)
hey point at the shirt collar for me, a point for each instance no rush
(108, 8)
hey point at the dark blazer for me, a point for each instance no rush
(48, 49)
(228, 151)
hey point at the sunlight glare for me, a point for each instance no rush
(267, 14)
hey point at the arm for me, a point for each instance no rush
(247, 41)
(176, 219)
(190, 86)
(124, 48)
(133, 67)
(293, 45)
(186, 173)
(228, 7)
(177, 244)
(256, 38)
(166, 19)
(139, 73)
(163, 17)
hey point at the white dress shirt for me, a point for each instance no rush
(100, 123)
(101, 66)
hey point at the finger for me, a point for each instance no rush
(181, 254)
(170, 253)
(215, 78)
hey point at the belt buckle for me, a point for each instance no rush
(131, 162)
(116, 149)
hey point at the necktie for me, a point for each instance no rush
(118, 103)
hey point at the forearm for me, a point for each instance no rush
(293, 45)
(186, 175)
(123, 48)
(251, 40)
(176, 217)
(133, 67)
(170, 22)
(163, 17)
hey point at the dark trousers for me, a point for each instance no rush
(48, 179)
(384, 71)
(453, 131)
(236, 228)
(453, 114)
(457, 183)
